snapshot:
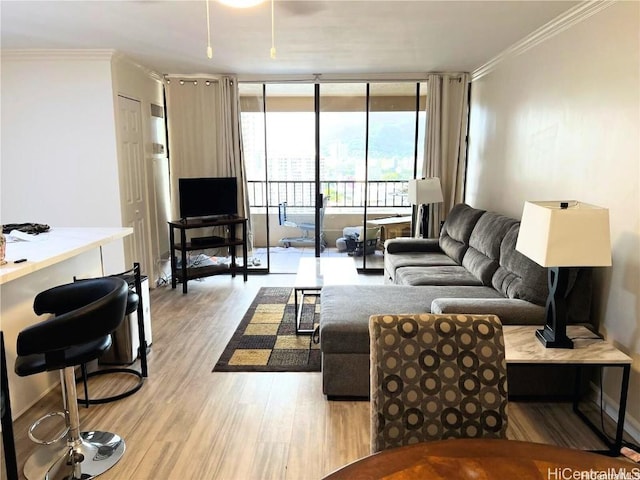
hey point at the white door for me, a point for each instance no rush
(133, 184)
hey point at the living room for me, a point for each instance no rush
(555, 118)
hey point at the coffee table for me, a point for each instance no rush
(314, 273)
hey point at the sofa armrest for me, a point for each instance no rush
(509, 311)
(410, 244)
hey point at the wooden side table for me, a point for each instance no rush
(523, 348)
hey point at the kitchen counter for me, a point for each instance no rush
(52, 258)
(53, 247)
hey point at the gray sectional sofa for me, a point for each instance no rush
(472, 268)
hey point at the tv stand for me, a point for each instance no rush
(230, 240)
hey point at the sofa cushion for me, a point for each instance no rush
(511, 311)
(415, 259)
(454, 237)
(345, 309)
(410, 244)
(441, 275)
(518, 276)
(482, 258)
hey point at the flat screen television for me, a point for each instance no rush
(208, 197)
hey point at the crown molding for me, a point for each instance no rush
(121, 57)
(58, 54)
(574, 15)
(77, 55)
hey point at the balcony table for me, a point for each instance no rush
(392, 227)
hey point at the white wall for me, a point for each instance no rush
(59, 153)
(562, 121)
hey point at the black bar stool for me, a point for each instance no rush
(134, 304)
(85, 314)
(8, 441)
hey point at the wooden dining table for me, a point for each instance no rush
(485, 459)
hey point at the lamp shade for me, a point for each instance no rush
(425, 191)
(565, 234)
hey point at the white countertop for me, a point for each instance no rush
(54, 246)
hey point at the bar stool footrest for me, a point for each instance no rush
(113, 398)
(37, 423)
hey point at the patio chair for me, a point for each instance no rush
(298, 217)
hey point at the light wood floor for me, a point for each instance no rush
(190, 423)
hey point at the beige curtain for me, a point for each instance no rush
(192, 122)
(203, 118)
(445, 142)
(230, 152)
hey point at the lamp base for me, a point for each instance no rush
(550, 339)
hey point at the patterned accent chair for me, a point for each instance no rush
(435, 377)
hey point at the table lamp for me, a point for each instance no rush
(423, 192)
(559, 235)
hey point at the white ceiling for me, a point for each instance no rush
(323, 36)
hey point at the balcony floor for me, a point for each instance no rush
(285, 260)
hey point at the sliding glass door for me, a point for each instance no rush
(393, 158)
(254, 152)
(279, 131)
(356, 144)
(343, 167)
(290, 117)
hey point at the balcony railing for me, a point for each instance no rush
(341, 193)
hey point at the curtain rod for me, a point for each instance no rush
(194, 76)
(182, 81)
(320, 78)
(315, 78)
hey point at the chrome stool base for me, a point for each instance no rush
(96, 453)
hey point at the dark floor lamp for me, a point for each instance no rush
(559, 235)
(424, 192)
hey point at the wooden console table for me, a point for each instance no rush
(229, 240)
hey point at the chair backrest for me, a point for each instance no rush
(133, 277)
(325, 201)
(435, 377)
(8, 441)
(84, 311)
(282, 213)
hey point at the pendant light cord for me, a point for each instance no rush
(273, 31)
(209, 49)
